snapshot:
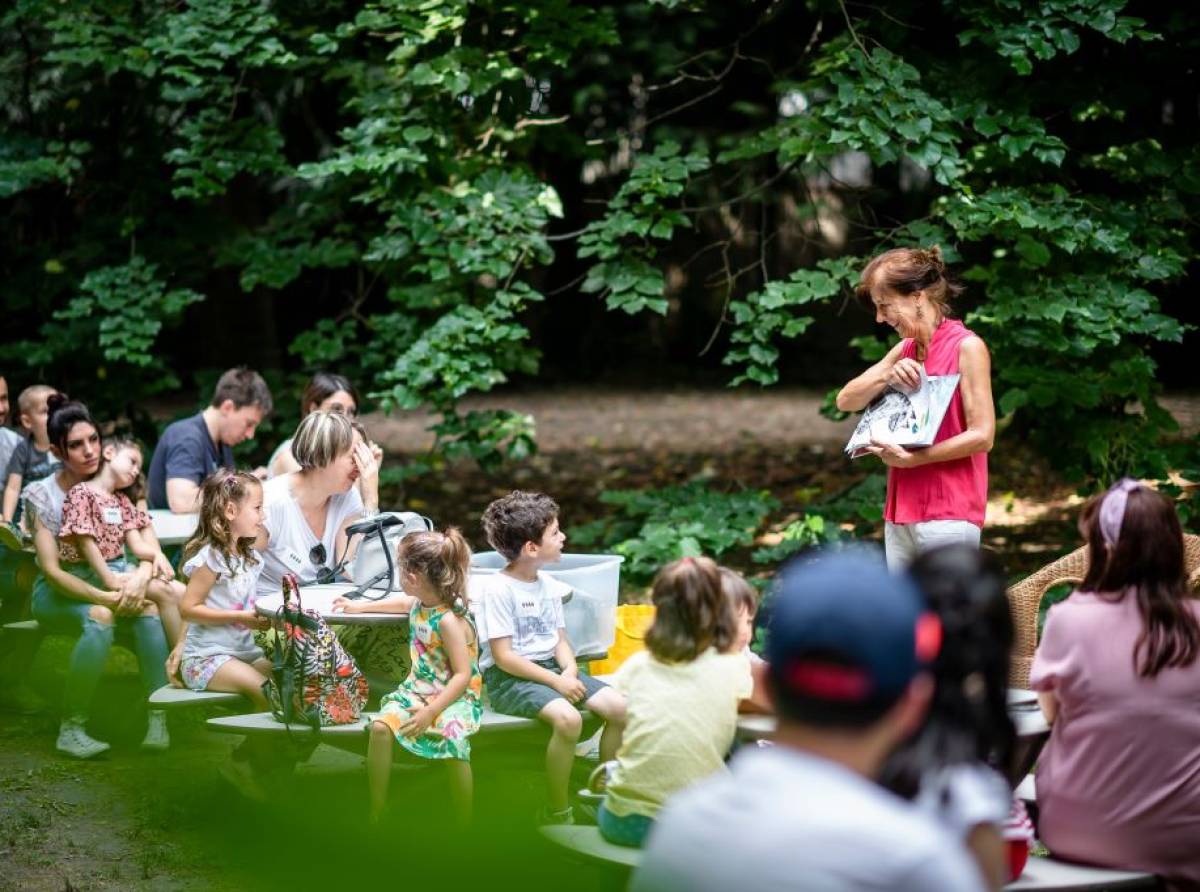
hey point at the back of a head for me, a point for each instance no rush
(243, 387)
(519, 517)
(691, 611)
(1136, 547)
(320, 438)
(845, 638)
(968, 719)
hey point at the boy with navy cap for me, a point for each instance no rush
(847, 645)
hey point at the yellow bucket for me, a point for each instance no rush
(633, 620)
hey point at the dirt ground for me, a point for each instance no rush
(130, 821)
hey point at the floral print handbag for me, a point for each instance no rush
(313, 680)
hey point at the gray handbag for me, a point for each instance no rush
(375, 568)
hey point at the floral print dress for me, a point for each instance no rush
(449, 735)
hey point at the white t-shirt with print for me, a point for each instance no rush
(233, 590)
(292, 541)
(530, 613)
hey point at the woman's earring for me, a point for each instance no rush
(920, 312)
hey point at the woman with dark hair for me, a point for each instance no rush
(73, 599)
(325, 392)
(936, 495)
(1118, 677)
(950, 765)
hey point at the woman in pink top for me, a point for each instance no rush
(936, 495)
(1119, 781)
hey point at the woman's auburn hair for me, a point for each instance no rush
(691, 611)
(906, 271)
(1146, 563)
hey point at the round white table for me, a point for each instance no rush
(321, 597)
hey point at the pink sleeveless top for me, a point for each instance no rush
(945, 490)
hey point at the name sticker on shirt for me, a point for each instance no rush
(111, 515)
(528, 607)
(292, 558)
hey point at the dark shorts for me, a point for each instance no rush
(520, 696)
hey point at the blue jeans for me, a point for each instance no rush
(59, 612)
(627, 830)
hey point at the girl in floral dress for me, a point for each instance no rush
(437, 708)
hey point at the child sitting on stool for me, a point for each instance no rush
(528, 663)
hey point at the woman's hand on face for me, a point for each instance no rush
(904, 375)
(367, 464)
(892, 455)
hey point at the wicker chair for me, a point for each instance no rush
(1025, 598)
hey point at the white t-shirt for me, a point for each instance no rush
(9, 439)
(292, 541)
(681, 719)
(782, 819)
(45, 498)
(530, 613)
(233, 590)
(961, 797)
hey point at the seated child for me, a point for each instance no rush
(99, 520)
(438, 707)
(947, 765)
(221, 568)
(681, 697)
(528, 664)
(744, 598)
(31, 459)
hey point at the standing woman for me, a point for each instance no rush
(936, 495)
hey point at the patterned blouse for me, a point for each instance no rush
(103, 516)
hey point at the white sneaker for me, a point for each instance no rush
(590, 748)
(156, 737)
(74, 741)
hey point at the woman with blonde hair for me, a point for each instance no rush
(936, 495)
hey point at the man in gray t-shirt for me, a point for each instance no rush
(847, 647)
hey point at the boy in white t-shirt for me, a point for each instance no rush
(528, 664)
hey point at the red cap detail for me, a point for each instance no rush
(928, 637)
(829, 681)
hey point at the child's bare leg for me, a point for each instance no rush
(379, 766)
(166, 596)
(462, 789)
(237, 677)
(565, 723)
(610, 706)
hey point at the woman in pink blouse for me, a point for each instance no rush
(1119, 680)
(936, 495)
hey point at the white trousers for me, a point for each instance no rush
(904, 541)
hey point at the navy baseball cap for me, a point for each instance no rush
(843, 630)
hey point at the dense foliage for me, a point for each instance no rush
(402, 185)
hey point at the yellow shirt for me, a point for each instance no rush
(680, 722)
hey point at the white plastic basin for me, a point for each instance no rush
(591, 613)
